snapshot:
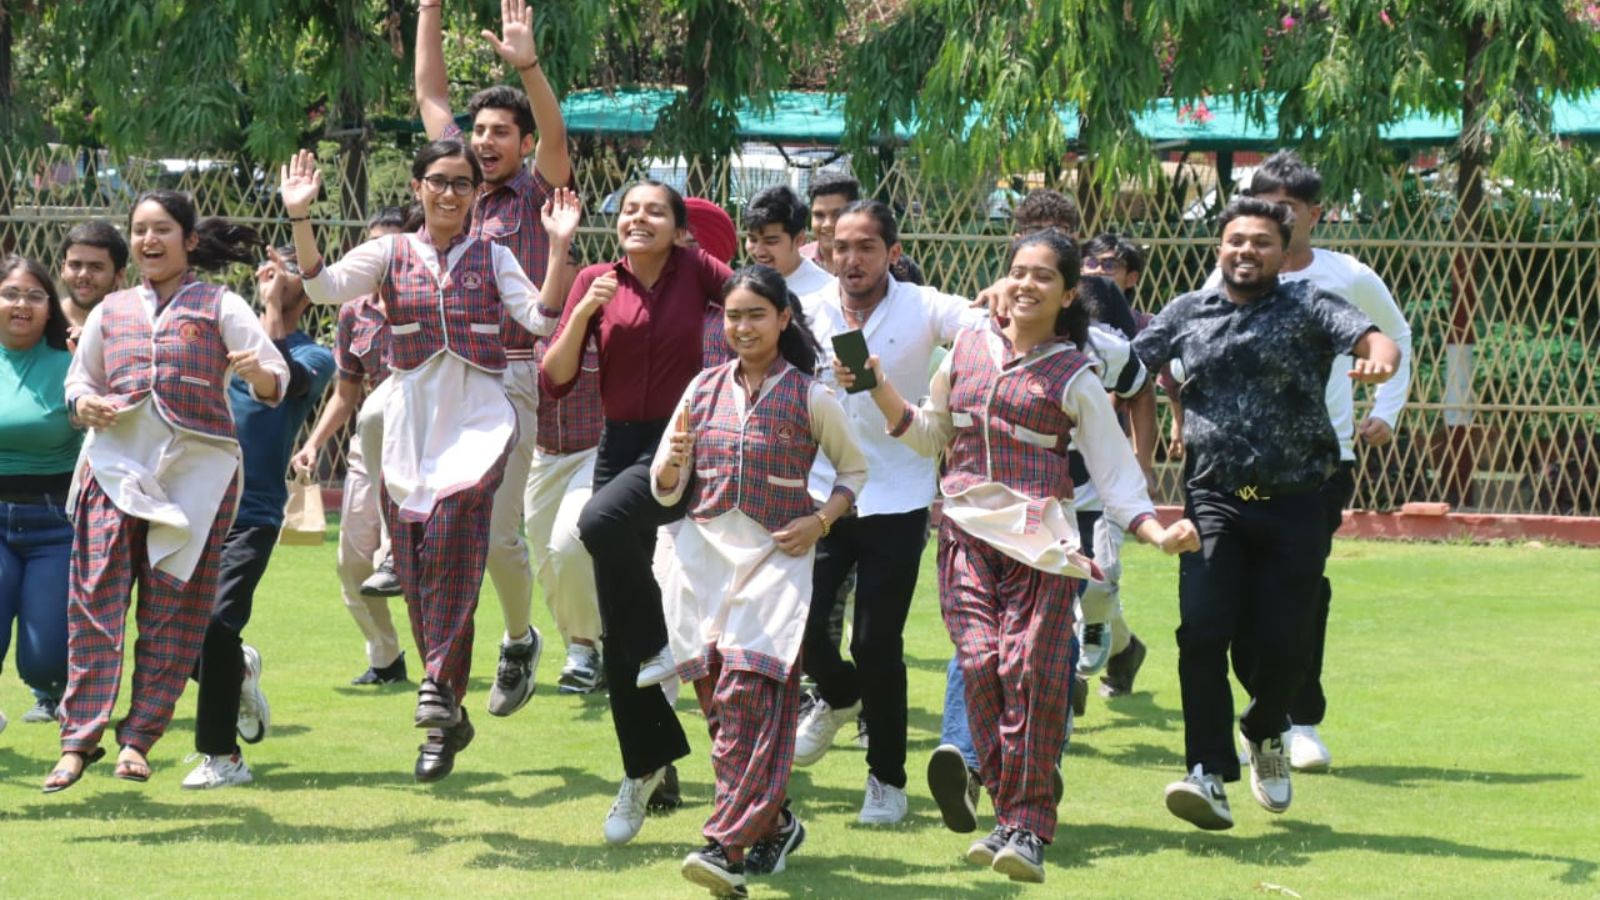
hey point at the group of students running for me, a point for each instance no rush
(698, 482)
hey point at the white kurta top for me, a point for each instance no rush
(727, 584)
(171, 477)
(1000, 516)
(446, 422)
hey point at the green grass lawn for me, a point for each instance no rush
(1463, 708)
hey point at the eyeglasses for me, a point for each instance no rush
(438, 184)
(1101, 264)
(31, 295)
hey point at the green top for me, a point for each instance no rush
(35, 438)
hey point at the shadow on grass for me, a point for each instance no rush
(811, 876)
(1292, 844)
(1418, 776)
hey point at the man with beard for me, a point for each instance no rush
(1258, 448)
(93, 258)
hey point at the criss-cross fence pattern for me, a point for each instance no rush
(1504, 411)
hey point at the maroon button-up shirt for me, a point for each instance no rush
(650, 338)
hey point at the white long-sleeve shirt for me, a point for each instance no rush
(903, 331)
(1350, 278)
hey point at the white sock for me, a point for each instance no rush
(526, 639)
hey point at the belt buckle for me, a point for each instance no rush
(1250, 493)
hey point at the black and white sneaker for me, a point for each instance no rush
(710, 868)
(985, 849)
(582, 673)
(393, 673)
(1200, 800)
(1022, 858)
(513, 679)
(770, 855)
(955, 788)
(383, 582)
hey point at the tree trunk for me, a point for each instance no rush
(1472, 147)
(352, 116)
(698, 93)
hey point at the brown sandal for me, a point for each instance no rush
(133, 769)
(61, 779)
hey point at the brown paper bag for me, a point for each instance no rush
(304, 522)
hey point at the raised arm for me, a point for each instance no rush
(432, 84)
(560, 217)
(559, 371)
(516, 46)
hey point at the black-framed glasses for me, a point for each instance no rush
(1101, 264)
(461, 186)
(32, 295)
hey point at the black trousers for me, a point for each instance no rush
(220, 671)
(886, 553)
(1310, 703)
(618, 528)
(1254, 583)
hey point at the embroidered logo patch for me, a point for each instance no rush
(786, 433)
(472, 281)
(189, 333)
(1037, 387)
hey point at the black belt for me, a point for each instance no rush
(33, 498)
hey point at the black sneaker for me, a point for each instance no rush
(1079, 698)
(436, 705)
(513, 680)
(1022, 858)
(1120, 671)
(862, 740)
(666, 796)
(393, 673)
(383, 582)
(985, 849)
(710, 868)
(436, 758)
(955, 788)
(770, 855)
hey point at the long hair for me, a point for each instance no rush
(221, 242)
(1073, 320)
(55, 323)
(796, 343)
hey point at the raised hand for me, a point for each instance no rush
(515, 42)
(561, 214)
(300, 182)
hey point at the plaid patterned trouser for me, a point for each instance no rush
(440, 565)
(753, 720)
(1012, 627)
(108, 555)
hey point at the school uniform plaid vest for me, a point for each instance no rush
(758, 465)
(183, 360)
(714, 349)
(1009, 425)
(573, 422)
(461, 316)
(361, 341)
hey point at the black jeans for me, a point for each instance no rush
(618, 528)
(1254, 583)
(220, 671)
(886, 553)
(1310, 703)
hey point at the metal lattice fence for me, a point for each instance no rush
(1504, 408)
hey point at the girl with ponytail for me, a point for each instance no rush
(738, 586)
(149, 381)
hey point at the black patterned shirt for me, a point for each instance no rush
(1253, 377)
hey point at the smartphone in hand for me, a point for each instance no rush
(850, 348)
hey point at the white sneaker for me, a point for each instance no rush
(1094, 646)
(1307, 752)
(627, 813)
(1200, 800)
(2, 721)
(218, 772)
(885, 804)
(657, 668)
(255, 717)
(1269, 773)
(817, 729)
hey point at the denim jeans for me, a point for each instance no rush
(35, 549)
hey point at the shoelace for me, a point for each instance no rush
(1271, 764)
(509, 671)
(875, 791)
(631, 797)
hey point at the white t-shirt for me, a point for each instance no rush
(808, 278)
(1348, 277)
